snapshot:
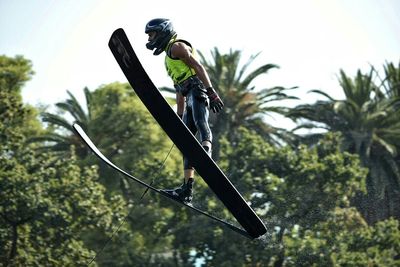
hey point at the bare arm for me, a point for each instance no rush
(184, 52)
(180, 101)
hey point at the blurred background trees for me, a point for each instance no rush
(329, 198)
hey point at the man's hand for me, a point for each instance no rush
(216, 103)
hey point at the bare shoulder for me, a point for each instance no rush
(180, 50)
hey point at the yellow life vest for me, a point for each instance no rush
(176, 68)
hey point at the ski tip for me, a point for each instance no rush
(76, 125)
(78, 128)
(117, 31)
(115, 36)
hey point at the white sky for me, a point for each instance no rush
(310, 40)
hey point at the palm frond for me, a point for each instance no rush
(323, 94)
(254, 74)
(56, 120)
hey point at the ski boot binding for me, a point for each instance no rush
(184, 193)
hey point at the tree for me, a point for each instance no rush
(369, 122)
(124, 131)
(292, 190)
(16, 119)
(45, 204)
(244, 104)
(391, 80)
(345, 239)
(118, 124)
(60, 137)
(46, 208)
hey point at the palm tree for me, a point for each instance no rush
(369, 121)
(391, 83)
(244, 105)
(60, 141)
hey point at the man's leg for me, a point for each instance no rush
(185, 191)
(188, 174)
(207, 146)
(188, 170)
(200, 117)
(188, 120)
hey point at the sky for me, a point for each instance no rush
(310, 40)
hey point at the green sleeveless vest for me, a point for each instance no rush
(176, 68)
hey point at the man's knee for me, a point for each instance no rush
(205, 133)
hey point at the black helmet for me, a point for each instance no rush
(164, 32)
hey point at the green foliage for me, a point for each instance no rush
(15, 72)
(368, 119)
(119, 125)
(125, 132)
(16, 119)
(244, 104)
(292, 190)
(60, 135)
(344, 239)
(45, 204)
(298, 185)
(62, 210)
(370, 246)
(46, 207)
(391, 81)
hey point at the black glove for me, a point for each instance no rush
(216, 103)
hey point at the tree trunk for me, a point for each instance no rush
(374, 208)
(13, 250)
(281, 254)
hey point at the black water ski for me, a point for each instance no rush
(97, 152)
(181, 135)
